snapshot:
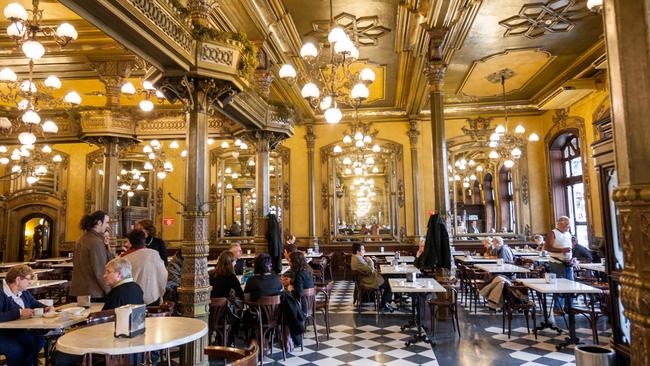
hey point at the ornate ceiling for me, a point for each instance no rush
(545, 42)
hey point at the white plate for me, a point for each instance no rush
(76, 310)
(51, 314)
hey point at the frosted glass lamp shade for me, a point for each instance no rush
(66, 30)
(15, 11)
(33, 50)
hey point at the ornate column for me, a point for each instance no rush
(310, 137)
(111, 171)
(413, 135)
(628, 49)
(262, 188)
(435, 72)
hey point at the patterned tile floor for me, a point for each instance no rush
(376, 339)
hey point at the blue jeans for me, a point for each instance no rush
(561, 271)
(21, 348)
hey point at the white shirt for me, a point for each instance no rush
(16, 297)
(562, 240)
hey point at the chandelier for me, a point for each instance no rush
(504, 143)
(30, 96)
(363, 195)
(158, 158)
(329, 81)
(147, 90)
(130, 181)
(29, 162)
(358, 151)
(466, 171)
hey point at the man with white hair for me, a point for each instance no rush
(503, 251)
(558, 244)
(123, 289)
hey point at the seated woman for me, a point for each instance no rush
(264, 282)
(488, 249)
(20, 347)
(223, 280)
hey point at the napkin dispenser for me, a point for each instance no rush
(411, 276)
(129, 320)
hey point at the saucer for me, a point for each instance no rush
(51, 314)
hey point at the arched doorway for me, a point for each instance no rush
(35, 237)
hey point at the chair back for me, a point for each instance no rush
(309, 296)
(99, 317)
(267, 309)
(510, 299)
(236, 356)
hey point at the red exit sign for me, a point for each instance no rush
(167, 221)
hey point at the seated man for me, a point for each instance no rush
(370, 277)
(288, 249)
(580, 252)
(19, 346)
(123, 289)
(502, 250)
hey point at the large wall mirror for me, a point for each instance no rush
(362, 190)
(233, 194)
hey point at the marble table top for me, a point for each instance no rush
(561, 286)
(421, 285)
(380, 254)
(58, 322)
(387, 269)
(11, 264)
(36, 271)
(45, 283)
(593, 266)
(525, 253)
(160, 333)
(504, 268)
(402, 259)
(54, 260)
(475, 259)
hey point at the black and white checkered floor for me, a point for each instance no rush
(370, 338)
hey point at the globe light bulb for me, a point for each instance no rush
(243, 146)
(310, 91)
(52, 82)
(66, 30)
(73, 98)
(161, 175)
(533, 137)
(520, 129)
(147, 149)
(472, 177)
(146, 105)
(594, 5)
(3, 149)
(148, 86)
(183, 153)
(493, 144)
(148, 166)
(174, 145)
(516, 153)
(168, 166)
(130, 193)
(155, 143)
(4, 161)
(336, 34)
(33, 50)
(50, 127)
(367, 75)
(128, 88)
(287, 72)
(160, 94)
(228, 170)
(235, 175)
(333, 115)
(16, 169)
(343, 46)
(508, 163)
(139, 187)
(57, 158)
(367, 139)
(375, 169)
(151, 156)
(228, 186)
(308, 50)
(31, 179)
(376, 148)
(495, 137)
(347, 161)
(8, 75)
(479, 168)
(360, 92)
(31, 117)
(28, 87)
(251, 162)
(493, 155)
(16, 30)
(23, 104)
(40, 170)
(347, 139)
(337, 149)
(354, 53)
(500, 129)
(326, 103)
(359, 143)
(26, 138)
(15, 11)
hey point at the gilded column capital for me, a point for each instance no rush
(198, 94)
(435, 73)
(111, 73)
(263, 81)
(413, 134)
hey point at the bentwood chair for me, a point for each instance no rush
(360, 291)
(309, 296)
(268, 315)
(323, 304)
(234, 356)
(515, 299)
(449, 302)
(218, 323)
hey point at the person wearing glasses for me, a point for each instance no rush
(19, 346)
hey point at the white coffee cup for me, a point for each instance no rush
(47, 302)
(499, 262)
(310, 251)
(38, 312)
(381, 249)
(429, 284)
(248, 251)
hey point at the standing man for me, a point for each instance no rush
(558, 244)
(90, 258)
(473, 229)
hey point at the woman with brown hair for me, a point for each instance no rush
(223, 279)
(151, 241)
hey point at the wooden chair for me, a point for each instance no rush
(593, 308)
(218, 322)
(164, 309)
(323, 304)
(318, 266)
(347, 260)
(269, 321)
(101, 317)
(236, 356)
(360, 291)
(330, 261)
(309, 296)
(512, 303)
(449, 302)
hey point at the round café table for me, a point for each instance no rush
(160, 333)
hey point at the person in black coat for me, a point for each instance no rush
(580, 252)
(151, 241)
(124, 290)
(263, 282)
(223, 279)
(274, 241)
(296, 281)
(437, 253)
(20, 347)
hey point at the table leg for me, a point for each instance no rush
(572, 338)
(421, 332)
(546, 323)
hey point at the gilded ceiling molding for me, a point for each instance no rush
(538, 19)
(366, 30)
(494, 58)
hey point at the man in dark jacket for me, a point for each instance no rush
(20, 347)
(124, 290)
(580, 252)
